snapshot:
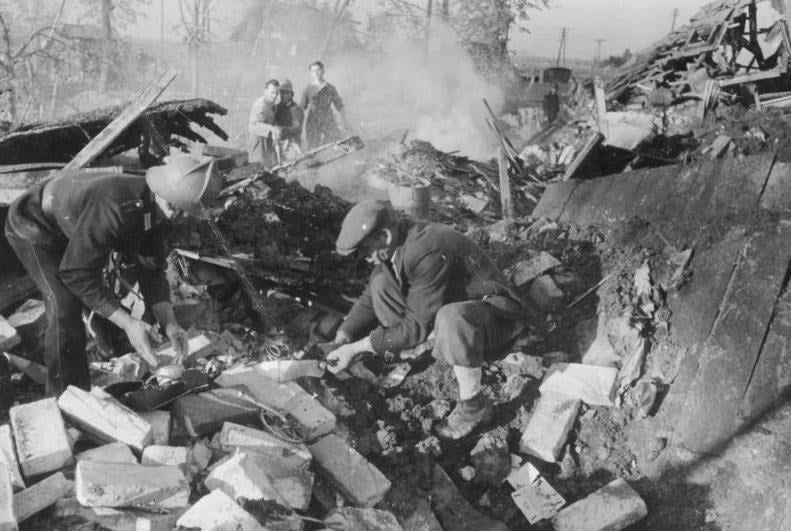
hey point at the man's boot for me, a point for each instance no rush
(473, 408)
(466, 416)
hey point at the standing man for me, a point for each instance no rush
(552, 104)
(64, 229)
(262, 129)
(317, 101)
(428, 276)
(289, 118)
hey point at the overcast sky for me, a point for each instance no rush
(633, 24)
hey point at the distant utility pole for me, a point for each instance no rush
(597, 58)
(162, 29)
(675, 18)
(562, 48)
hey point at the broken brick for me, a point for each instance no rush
(200, 456)
(358, 481)
(242, 476)
(8, 456)
(40, 436)
(130, 485)
(43, 494)
(160, 424)
(549, 426)
(9, 338)
(613, 507)
(538, 500)
(116, 452)
(596, 386)
(166, 455)
(103, 417)
(218, 512)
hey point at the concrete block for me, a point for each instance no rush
(545, 293)
(549, 426)
(160, 424)
(119, 519)
(314, 419)
(538, 500)
(295, 485)
(167, 455)
(8, 456)
(42, 445)
(292, 455)
(130, 485)
(104, 418)
(358, 481)
(9, 338)
(613, 507)
(242, 476)
(116, 452)
(43, 494)
(206, 412)
(362, 520)
(7, 519)
(596, 386)
(218, 512)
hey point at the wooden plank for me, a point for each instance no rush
(506, 198)
(730, 354)
(749, 78)
(777, 194)
(554, 199)
(132, 112)
(594, 140)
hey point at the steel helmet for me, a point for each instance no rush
(285, 84)
(186, 182)
(361, 221)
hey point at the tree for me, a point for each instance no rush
(195, 26)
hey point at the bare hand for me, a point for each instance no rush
(277, 132)
(179, 342)
(339, 359)
(142, 337)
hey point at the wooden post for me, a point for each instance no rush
(601, 106)
(506, 198)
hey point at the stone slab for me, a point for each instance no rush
(166, 455)
(777, 194)
(242, 476)
(104, 418)
(740, 184)
(579, 199)
(130, 485)
(618, 204)
(712, 412)
(591, 212)
(690, 191)
(118, 519)
(654, 191)
(554, 199)
(8, 456)
(291, 455)
(116, 452)
(596, 386)
(549, 425)
(218, 512)
(613, 507)
(357, 480)
(41, 495)
(39, 433)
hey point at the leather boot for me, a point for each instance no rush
(466, 416)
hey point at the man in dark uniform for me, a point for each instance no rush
(428, 276)
(552, 104)
(317, 101)
(289, 114)
(64, 229)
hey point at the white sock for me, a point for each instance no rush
(469, 379)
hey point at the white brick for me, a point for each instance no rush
(8, 456)
(129, 485)
(166, 455)
(549, 426)
(242, 476)
(357, 480)
(160, 424)
(8, 335)
(109, 453)
(593, 385)
(7, 518)
(218, 512)
(41, 442)
(119, 520)
(103, 417)
(611, 508)
(43, 494)
(233, 436)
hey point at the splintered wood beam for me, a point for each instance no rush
(102, 141)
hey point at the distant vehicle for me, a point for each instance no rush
(539, 83)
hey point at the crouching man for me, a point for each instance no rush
(428, 276)
(63, 230)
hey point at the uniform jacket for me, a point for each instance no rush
(435, 265)
(92, 215)
(290, 118)
(261, 148)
